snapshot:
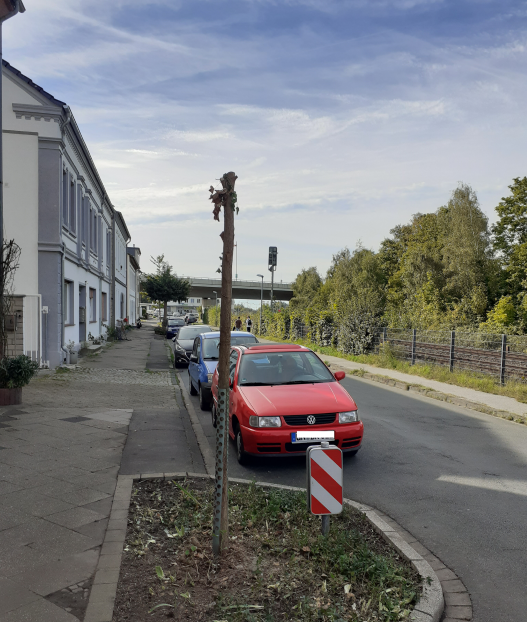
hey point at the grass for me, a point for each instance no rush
(460, 378)
(277, 566)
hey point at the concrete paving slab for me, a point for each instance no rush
(104, 506)
(41, 611)
(66, 543)
(76, 517)
(54, 575)
(34, 503)
(14, 595)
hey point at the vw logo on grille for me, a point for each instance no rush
(311, 420)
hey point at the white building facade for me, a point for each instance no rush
(133, 283)
(57, 210)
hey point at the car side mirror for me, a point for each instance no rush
(193, 358)
(340, 375)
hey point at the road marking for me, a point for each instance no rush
(516, 487)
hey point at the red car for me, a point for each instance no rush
(283, 399)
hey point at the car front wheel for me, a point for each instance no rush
(241, 456)
(191, 388)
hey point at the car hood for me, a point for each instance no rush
(298, 399)
(211, 366)
(186, 344)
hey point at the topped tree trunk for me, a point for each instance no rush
(226, 198)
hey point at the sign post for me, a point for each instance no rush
(324, 482)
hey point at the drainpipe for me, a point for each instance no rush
(63, 328)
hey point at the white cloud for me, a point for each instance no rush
(337, 133)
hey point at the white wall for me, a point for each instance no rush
(21, 205)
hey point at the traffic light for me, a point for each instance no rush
(273, 255)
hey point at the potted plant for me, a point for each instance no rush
(15, 373)
(74, 355)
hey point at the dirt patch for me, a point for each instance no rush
(277, 566)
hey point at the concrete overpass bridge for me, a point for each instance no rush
(241, 290)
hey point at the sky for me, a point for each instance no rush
(341, 118)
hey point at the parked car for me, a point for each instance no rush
(191, 318)
(284, 399)
(173, 326)
(184, 342)
(204, 360)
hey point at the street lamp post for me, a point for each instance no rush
(8, 8)
(261, 302)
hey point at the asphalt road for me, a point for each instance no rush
(454, 478)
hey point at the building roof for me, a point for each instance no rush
(32, 84)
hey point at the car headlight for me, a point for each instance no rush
(349, 417)
(265, 422)
(178, 347)
(209, 377)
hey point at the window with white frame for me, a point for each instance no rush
(72, 206)
(108, 246)
(65, 211)
(93, 307)
(95, 231)
(84, 216)
(68, 303)
(104, 306)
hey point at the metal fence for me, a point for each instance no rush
(500, 356)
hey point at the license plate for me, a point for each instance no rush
(312, 437)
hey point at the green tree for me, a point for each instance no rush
(501, 316)
(511, 228)
(164, 286)
(305, 289)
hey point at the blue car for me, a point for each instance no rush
(173, 326)
(204, 360)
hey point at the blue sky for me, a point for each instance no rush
(342, 118)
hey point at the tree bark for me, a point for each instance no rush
(225, 346)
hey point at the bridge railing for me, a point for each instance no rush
(198, 280)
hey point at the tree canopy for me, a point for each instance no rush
(165, 286)
(445, 269)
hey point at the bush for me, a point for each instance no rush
(17, 371)
(356, 332)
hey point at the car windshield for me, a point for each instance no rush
(176, 322)
(271, 368)
(191, 332)
(211, 345)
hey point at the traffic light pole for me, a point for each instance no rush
(272, 286)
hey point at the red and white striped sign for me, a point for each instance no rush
(324, 480)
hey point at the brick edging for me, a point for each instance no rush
(436, 591)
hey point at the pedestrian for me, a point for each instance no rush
(248, 323)
(238, 323)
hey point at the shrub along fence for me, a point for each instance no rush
(501, 356)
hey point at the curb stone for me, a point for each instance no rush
(428, 609)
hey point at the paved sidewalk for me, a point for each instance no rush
(60, 453)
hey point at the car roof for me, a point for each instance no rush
(273, 347)
(236, 333)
